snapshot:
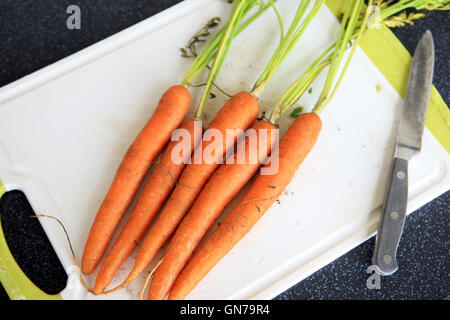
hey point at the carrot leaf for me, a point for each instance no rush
(287, 43)
(296, 112)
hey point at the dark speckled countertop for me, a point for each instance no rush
(33, 34)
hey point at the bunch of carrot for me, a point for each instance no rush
(195, 194)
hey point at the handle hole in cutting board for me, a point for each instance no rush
(29, 244)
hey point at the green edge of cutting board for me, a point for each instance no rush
(385, 51)
(14, 281)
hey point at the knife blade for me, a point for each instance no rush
(408, 143)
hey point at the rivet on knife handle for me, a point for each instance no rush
(392, 219)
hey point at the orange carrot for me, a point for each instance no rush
(239, 112)
(226, 182)
(148, 144)
(156, 190)
(293, 148)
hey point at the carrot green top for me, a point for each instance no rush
(352, 28)
(240, 9)
(287, 42)
(218, 47)
(220, 44)
(348, 26)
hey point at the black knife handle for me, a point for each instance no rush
(392, 219)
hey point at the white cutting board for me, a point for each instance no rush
(65, 129)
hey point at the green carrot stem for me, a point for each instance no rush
(349, 25)
(280, 21)
(299, 87)
(355, 45)
(299, 13)
(224, 42)
(341, 44)
(208, 53)
(296, 89)
(289, 41)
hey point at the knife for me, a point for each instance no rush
(409, 143)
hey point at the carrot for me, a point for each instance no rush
(226, 182)
(148, 144)
(239, 112)
(156, 190)
(293, 148)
